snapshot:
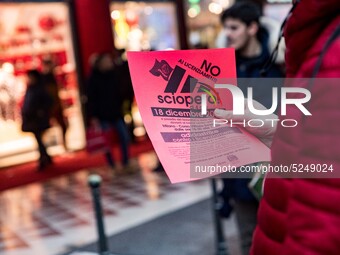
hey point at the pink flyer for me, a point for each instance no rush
(169, 88)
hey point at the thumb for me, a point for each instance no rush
(224, 114)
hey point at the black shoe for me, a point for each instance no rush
(225, 210)
(49, 160)
(42, 167)
(44, 162)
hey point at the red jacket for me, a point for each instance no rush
(302, 216)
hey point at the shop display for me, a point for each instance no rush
(9, 94)
(145, 26)
(29, 34)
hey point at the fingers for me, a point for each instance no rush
(224, 114)
(263, 132)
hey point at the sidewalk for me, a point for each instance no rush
(16, 176)
(56, 217)
(187, 231)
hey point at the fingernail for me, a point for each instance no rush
(219, 112)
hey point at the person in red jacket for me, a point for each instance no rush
(302, 215)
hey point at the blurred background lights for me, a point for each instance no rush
(215, 8)
(223, 3)
(8, 67)
(194, 1)
(36, 44)
(148, 10)
(139, 131)
(115, 14)
(130, 15)
(128, 118)
(194, 11)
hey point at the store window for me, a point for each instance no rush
(140, 26)
(277, 10)
(30, 34)
(203, 22)
(145, 25)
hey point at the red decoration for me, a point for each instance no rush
(23, 29)
(58, 37)
(131, 19)
(47, 23)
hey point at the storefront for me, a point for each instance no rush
(148, 25)
(203, 21)
(48, 29)
(29, 34)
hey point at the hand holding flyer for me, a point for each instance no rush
(176, 96)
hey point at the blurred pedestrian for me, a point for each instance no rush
(51, 84)
(301, 216)
(36, 113)
(126, 89)
(105, 104)
(250, 40)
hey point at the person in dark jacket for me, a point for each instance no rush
(250, 40)
(126, 89)
(51, 85)
(36, 112)
(105, 104)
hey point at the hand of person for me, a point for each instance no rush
(265, 133)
